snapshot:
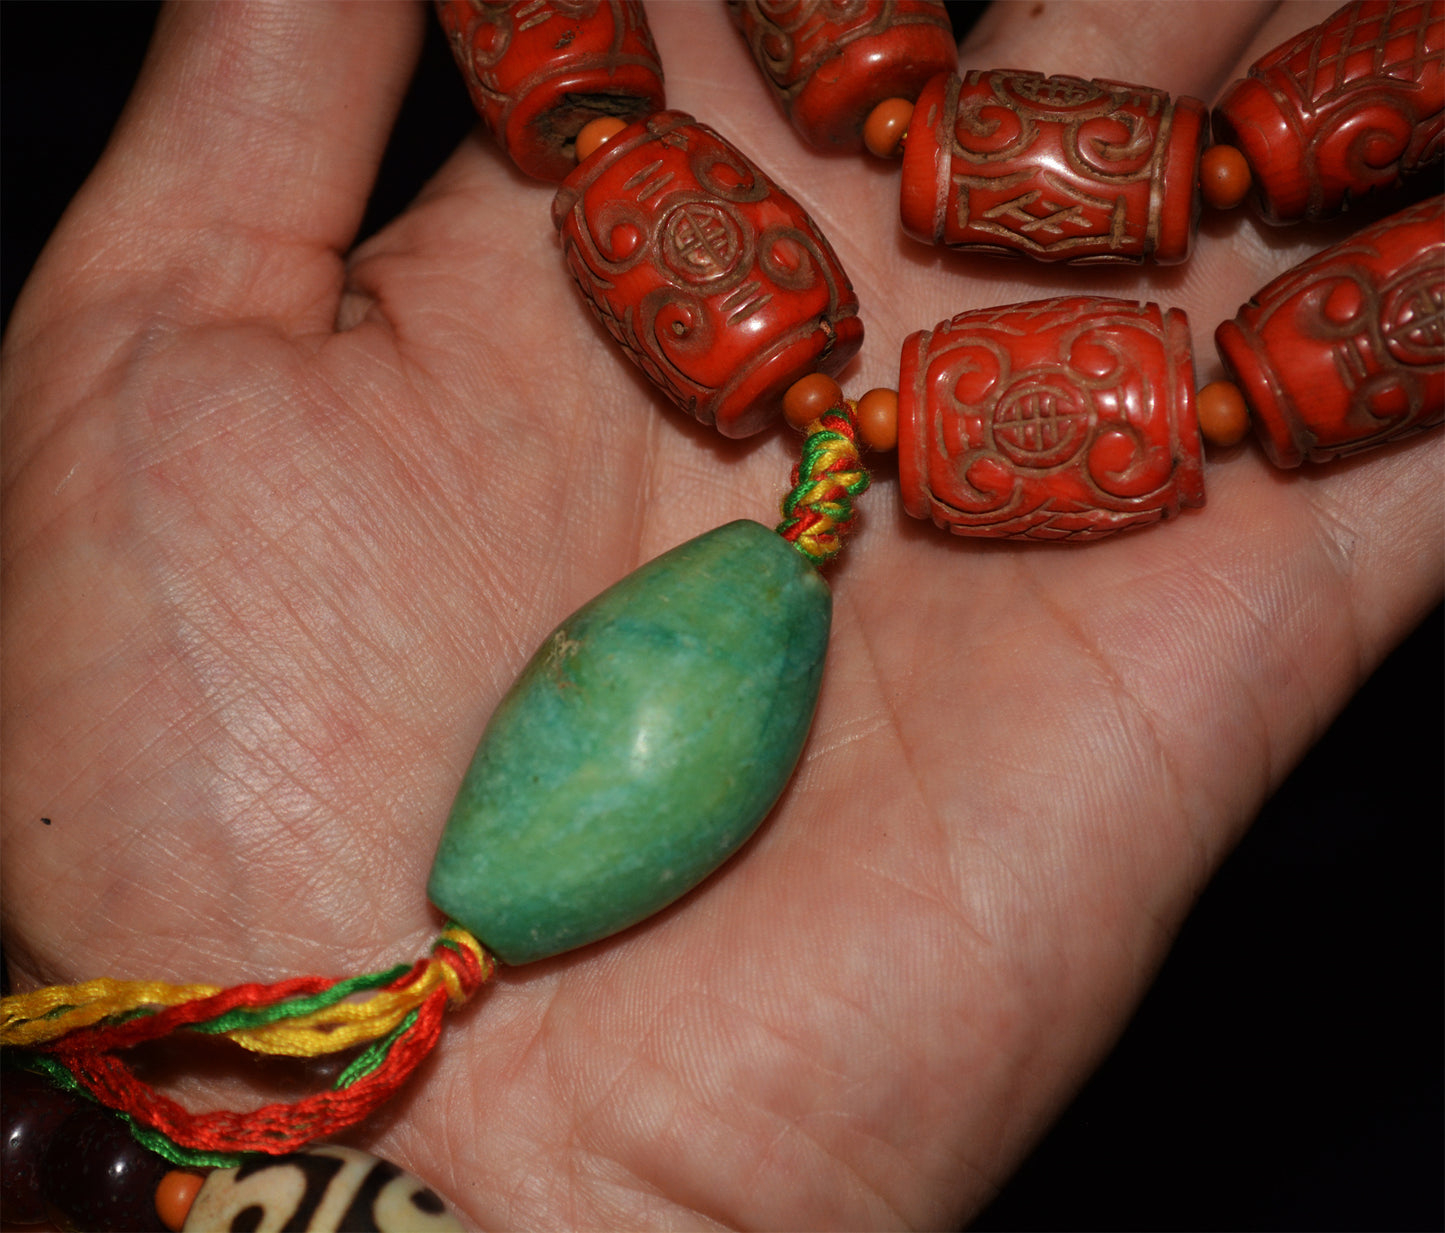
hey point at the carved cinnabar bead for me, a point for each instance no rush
(830, 64)
(1347, 350)
(713, 280)
(539, 70)
(1063, 419)
(1053, 168)
(1350, 105)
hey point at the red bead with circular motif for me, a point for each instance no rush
(830, 64)
(1053, 168)
(1065, 419)
(714, 281)
(1346, 107)
(1347, 350)
(539, 70)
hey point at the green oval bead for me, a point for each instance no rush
(639, 748)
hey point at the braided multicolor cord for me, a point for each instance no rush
(819, 509)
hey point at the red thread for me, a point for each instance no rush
(90, 1054)
(468, 966)
(274, 1128)
(137, 1031)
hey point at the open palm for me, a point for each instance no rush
(283, 520)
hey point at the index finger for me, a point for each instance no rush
(239, 170)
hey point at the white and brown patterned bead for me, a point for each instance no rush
(322, 1190)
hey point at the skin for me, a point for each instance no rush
(279, 530)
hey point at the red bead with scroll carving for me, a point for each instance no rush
(1350, 105)
(714, 281)
(830, 64)
(1053, 168)
(1065, 419)
(539, 70)
(1347, 350)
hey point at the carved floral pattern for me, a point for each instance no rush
(1053, 168)
(713, 281)
(1349, 106)
(830, 62)
(1061, 419)
(539, 70)
(1346, 351)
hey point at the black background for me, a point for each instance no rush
(1285, 1071)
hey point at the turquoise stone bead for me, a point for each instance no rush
(639, 748)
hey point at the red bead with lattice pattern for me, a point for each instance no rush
(830, 64)
(1053, 168)
(1349, 106)
(1064, 419)
(714, 281)
(539, 70)
(1347, 350)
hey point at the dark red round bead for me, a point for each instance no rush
(98, 1177)
(31, 1110)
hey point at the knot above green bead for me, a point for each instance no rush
(643, 743)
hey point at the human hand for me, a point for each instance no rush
(267, 580)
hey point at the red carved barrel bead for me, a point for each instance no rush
(831, 63)
(714, 281)
(1065, 419)
(539, 70)
(1348, 106)
(1347, 350)
(1053, 168)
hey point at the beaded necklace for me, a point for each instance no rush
(818, 507)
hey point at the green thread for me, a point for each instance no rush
(57, 1072)
(375, 1054)
(818, 455)
(148, 1137)
(244, 1017)
(161, 1145)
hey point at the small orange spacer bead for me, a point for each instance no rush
(1224, 177)
(808, 397)
(1223, 413)
(886, 126)
(175, 1194)
(877, 414)
(597, 133)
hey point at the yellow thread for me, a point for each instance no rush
(348, 1024)
(342, 1026)
(29, 1019)
(456, 995)
(820, 543)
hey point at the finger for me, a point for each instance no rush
(1182, 48)
(242, 164)
(1286, 21)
